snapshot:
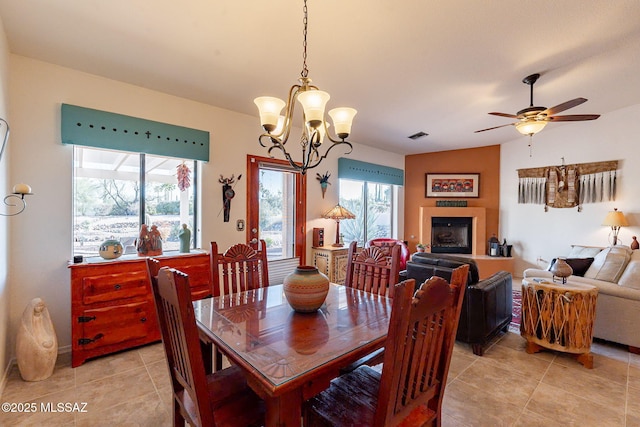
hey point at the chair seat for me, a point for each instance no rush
(330, 408)
(233, 403)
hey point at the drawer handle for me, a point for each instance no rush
(143, 319)
(85, 341)
(116, 287)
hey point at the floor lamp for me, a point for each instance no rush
(337, 213)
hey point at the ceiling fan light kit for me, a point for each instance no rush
(532, 119)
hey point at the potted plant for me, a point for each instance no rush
(422, 247)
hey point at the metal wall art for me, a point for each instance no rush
(228, 193)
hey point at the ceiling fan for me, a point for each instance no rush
(532, 120)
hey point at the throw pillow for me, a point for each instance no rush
(609, 264)
(579, 265)
(583, 251)
(631, 276)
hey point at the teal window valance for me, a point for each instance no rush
(370, 172)
(101, 129)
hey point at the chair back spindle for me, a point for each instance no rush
(373, 269)
(239, 268)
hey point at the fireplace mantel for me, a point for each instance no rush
(479, 216)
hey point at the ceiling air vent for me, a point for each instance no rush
(418, 135)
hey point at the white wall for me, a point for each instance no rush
(5, 188)
(536, 233)
(41, 242)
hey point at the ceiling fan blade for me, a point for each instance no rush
(574, 118)
(564, 106)
(495, 127)
(511, 116)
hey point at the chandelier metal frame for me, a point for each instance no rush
(314, 130)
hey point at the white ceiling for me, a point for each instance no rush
(406, 66)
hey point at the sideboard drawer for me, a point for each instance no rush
(114, 287)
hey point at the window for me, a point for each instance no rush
(276, 207)
(373, 205)
(115, 192)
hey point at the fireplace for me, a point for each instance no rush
(479, 224)
(451, 235)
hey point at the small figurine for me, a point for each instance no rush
(184, 235)
(143, 244)
(155, 241)
(634, 243)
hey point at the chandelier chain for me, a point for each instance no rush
(305, 71)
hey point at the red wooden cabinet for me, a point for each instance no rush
(112, 307)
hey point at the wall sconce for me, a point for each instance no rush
(19, 191)
(615, 219)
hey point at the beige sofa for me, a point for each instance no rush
(615, 271)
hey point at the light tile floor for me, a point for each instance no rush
(505, 387)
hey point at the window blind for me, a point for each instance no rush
(101, 129)
(370, 172)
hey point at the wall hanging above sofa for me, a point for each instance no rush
(567, 186)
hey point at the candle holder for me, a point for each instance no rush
(19, 191)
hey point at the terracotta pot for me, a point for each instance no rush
(306, 289)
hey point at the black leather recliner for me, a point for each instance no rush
(487, 306)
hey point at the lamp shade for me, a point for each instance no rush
(342, 120)
(615, 218)
(313, 103)
(530, 127)
(269, 108)
(338, 213)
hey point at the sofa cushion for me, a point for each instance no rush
(609, 264)
(578, 265)
(631, 276)
(578, 251)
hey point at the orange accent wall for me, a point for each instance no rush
(483, 160)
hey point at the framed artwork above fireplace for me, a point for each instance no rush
(452, 184)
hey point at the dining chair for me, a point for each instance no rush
(373, 269)
(240, 268)
(387, 243)
(377, 270)
(409, 391)
(220, 398)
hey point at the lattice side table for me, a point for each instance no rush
(559, 317)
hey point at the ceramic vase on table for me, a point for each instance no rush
(561, 269)
(306, 289)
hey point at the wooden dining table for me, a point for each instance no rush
(289, 357)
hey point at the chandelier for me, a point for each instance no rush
(314, 128)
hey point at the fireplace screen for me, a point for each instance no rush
(451, 235)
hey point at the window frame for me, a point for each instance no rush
(142, 181)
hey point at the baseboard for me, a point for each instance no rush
(5, 375)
